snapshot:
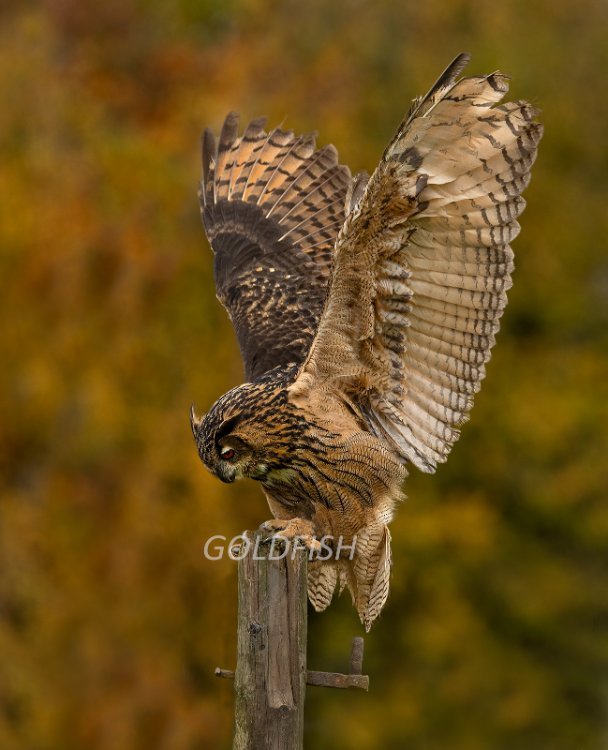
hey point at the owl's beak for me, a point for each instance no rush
(226, 473)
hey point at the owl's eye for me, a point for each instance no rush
(227, 454)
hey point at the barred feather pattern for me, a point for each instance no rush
(272, 206)
(322, 581)
(425, 262)
(367, 575)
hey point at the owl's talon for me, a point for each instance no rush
(272, 526)
(290, 530)
(304, 541)
(312, 544)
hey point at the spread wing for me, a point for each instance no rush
(272, 206)
(423, 264)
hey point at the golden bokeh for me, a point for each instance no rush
(111, 620)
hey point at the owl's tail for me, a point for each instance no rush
(367, 575)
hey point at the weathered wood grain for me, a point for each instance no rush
(270, 679)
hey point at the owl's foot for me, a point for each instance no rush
(292, 529)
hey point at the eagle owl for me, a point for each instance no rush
(365, 310)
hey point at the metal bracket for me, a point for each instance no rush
(354, 679)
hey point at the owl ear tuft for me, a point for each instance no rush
(195, 422)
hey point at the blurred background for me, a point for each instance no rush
(111, 620)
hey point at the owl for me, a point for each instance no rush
(365, 311)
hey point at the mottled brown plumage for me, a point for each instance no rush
(365, 311)
(272, 206)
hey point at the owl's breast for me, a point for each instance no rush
(332, 473)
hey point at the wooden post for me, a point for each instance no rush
(270, 678)
(271, 674)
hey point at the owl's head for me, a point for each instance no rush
(233, 437)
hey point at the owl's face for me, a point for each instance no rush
(232, 438)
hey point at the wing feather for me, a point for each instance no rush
(423, 264)
(272, 206)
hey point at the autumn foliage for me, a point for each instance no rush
(111, 620)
